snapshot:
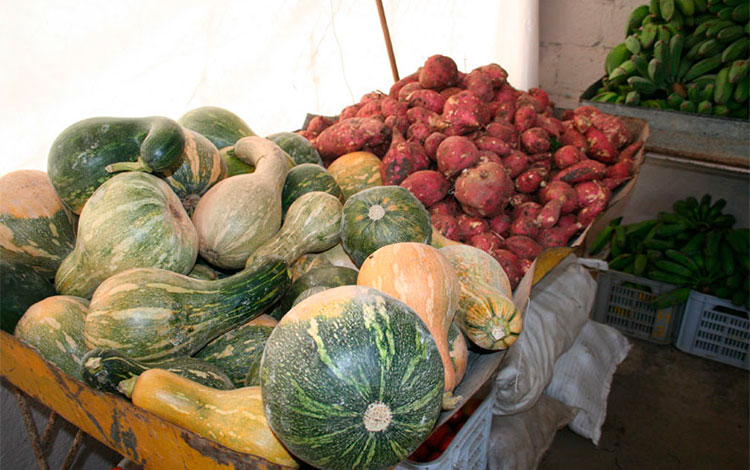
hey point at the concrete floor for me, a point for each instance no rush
(666, 410)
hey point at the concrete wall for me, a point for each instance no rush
(574, 38)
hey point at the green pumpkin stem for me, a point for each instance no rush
(138, 165)
(126, 386)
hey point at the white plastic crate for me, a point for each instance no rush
(715, 329)
(468, 450)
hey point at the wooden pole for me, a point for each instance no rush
(387, 36)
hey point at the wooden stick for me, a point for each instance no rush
(387, 36)
(71, 455)
(47, 433)
(23, 407)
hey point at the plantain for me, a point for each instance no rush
(709, 48)
(639, 264)
(675, 100)
(671, 278)
(641, 64)
(642, 85)
(633, 44)
(704, 107)
(619, 262)
(708, 92)
(656, 72)
(739, 240)
(616, 56)
(704, 80)
(727, 259)
(640, 229)
(622, 72)
(721, 110)
(737, 71)
(671, 267)
(725, 13)
(676, 44)
(633, 98)
(688, 106)
(636, 18)
(700, 6)
(648, 35)
(723, 89)
(741, 91)
(730, 33)
(702, 67)
(666, 9)
(663, 33)
(700, 30)
(671, 298)
(695, 244)
(738, 49)
(713, 31)
(741, 12)
(683, 259)
(687, 7)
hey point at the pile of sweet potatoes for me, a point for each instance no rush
(493, 165)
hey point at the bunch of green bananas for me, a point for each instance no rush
(693, 247)
(685, 55)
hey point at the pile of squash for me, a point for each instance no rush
(231, 284)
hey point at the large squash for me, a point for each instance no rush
(221, 126)
(20, 288)
(36, 229)
(376, 217)
(356, 171)
(133, 220)
(351, 378)
(240, 213)
(422, 278)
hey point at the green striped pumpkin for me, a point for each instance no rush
(321, 276)
(299, 148)
(380, 216)
(200, 168)
(221, 126)
(356, 171)
(104, 369)
(153, 314)
(133, 220)
(83, 155)
(351, 378)
(238, 351)
(21, 286)
(36, 229)
(305, 178)
(54, 327)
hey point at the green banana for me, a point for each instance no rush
(740, 298)
(695, 243)
(656, 72)
(641, 64)
(715, 210)
(648, 35)
(663, 33)
(683, 259)
(730, 33)
(741, 91)
(666, 9)
(633, 98)
(702, 67)
(635, 19)
(671, 298)
(694, 94)
(708, 48)
(692, 53)
(622, 72)
(708, 93)
(684, 67)
(654, 255)
(718, 26)
(704, 107)
(639, 265)
(741, 12)
(736, 50)
(675, 52)
(732, 3)
(700, 30)
(655, 244)
(715, 7)
(633, 44)
(670, 278)
(700, 6)
(669, 230)
(674, 100)
(619, 237)
(688, 106)
(737, 71)
(653, 7)
(670, 218)
(674, 268)
(723, 89)
(727, 259)
(739, 240)
(723, 221)
(607, 97)
(678, 20)
(620, 99)
(687, 7)
(640, 229)
(704, 80)
(616, 56)
(704, 206)
(721, 110)
(601, 240)
(741, 113)
(621, 261)
(642, 85)
(725, 13)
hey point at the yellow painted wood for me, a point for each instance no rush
(548, 259)
(133, 432)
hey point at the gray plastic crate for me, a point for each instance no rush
(468, 450)
(715, 329)
(623, 301)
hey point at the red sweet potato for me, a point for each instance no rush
(479, 83)
(554, 236)
(431, 144)
(390, 107)
(525, 99)
(492, 107)
(402, 159)
(505, 111)
(428, 186)
(631, 150)
(535, 140)
(396, 87)
(370, 108)
(423, 115)
(484, 189)
(397, 123)
(510, 264)
(465, 112)
(448, 92)
(456, 153)
(523, 247)
(550, 124)
(407, 90)
(516, 162)
(500, 224)
(506, 94)
(541, 159)
(446, 225)
(487, 242)
(550, 214)
(524, 265)
(567, 155)
(541, 96)
(525, 118)
(489, 156)
(519, 198)
(526, 226)
(531, 180)
(349, 112)
(438, 72)
(448, 206)
(572, 137)
(569, 220)
(622, 169)
(497, 74)
(590, 192)
(613, 129)
(503, 130)
(351, 135)
(529, 209)
(429, 99)
(493, 144)
(560, 191)
(587, 110)
(418, 132)
(372, 96)
(581, 123)
(319, 123)
(585, 170)
(599, 147)
(468, 226)
(613, 183)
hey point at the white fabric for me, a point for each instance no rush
(271, 63)
(558, 307)
(518, 442)
(583, 376)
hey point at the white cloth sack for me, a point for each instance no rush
(583, 375)
(558, 307)
(519, 441)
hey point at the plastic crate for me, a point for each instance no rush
(623, 301)
(468, 450)
(716, 329)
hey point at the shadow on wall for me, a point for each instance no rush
(16, 451)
